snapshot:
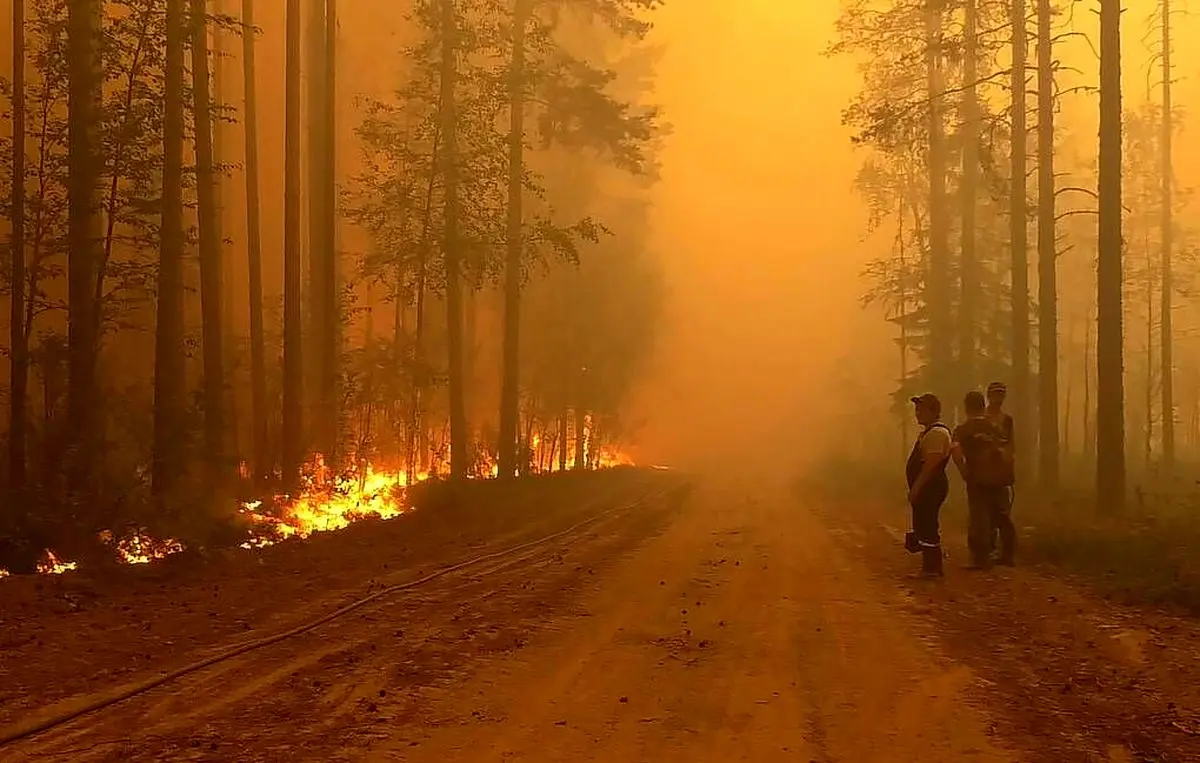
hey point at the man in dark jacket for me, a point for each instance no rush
(996, 394)
(979, 451)
(928, 485)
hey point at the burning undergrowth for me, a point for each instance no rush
(327, 501)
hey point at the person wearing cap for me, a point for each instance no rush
(996, 393)
(928, 484)
(979, 453)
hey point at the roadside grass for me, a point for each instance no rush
(1147, 553)
(1150, 552)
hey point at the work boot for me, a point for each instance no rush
(931, 563)
(980, 563)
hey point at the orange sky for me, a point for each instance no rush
(761, 232)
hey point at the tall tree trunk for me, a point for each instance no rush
(1168, 239)
(968, 271)
(258, 375)
(938, 276)
(210, 251)
(170, 383)
(318, 256)
(1048, 464)
(293, 369)
(85, 162)
(329, 361)
(1089, 434)
(902, 245)
(1110, 386)
(1148, 430)
(562, 441)
(1068, 396)
(19, 360)
(418, 429)
(1018, 237)
(228, 339)
(511, 381)
(471, 298)
(450, 240)
(580, 437)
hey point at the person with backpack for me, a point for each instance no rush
(981, 455)
(928, 484)
(996, 394)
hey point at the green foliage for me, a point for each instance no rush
(889, 117)
(577, 120)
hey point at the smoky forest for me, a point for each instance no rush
(449, 279)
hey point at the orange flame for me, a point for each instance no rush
(326, 502)
(52, 565)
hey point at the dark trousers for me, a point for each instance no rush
(926, 516)
(989, 511)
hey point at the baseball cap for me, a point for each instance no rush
(997, 386)
(929, 400)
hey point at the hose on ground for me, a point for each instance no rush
(21, 731)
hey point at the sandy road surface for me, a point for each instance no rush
(722, 627)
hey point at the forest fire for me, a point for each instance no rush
(141, 548)
(328, 501)
(52, 565)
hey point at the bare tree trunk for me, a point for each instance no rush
(1069, 379)
(1048, 447)
(210, 252)
(1018, 236)
(1148, 442)
(470, 344)
(903, 322)
(85, 162)
(19, 360)
(330, 361)
(258, 376)
(293, 369)
(418, 428)
(511, 381)
(229, 343)
(968, 271)
(1168, 240)
(322, 271)
(1089, 435)
(562, 441)
(580, 437)
(937, 276)
(451, 244)
(324, 266)
(170, 383)
(1110, 385)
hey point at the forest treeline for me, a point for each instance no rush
(1023, 249)
(468, 294)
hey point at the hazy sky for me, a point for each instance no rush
(760, 230)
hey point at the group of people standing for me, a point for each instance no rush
(982, 448)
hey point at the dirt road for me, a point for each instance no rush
(722, 627)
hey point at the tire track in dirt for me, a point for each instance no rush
(87, 630)
(739, 634)
(259, 703)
